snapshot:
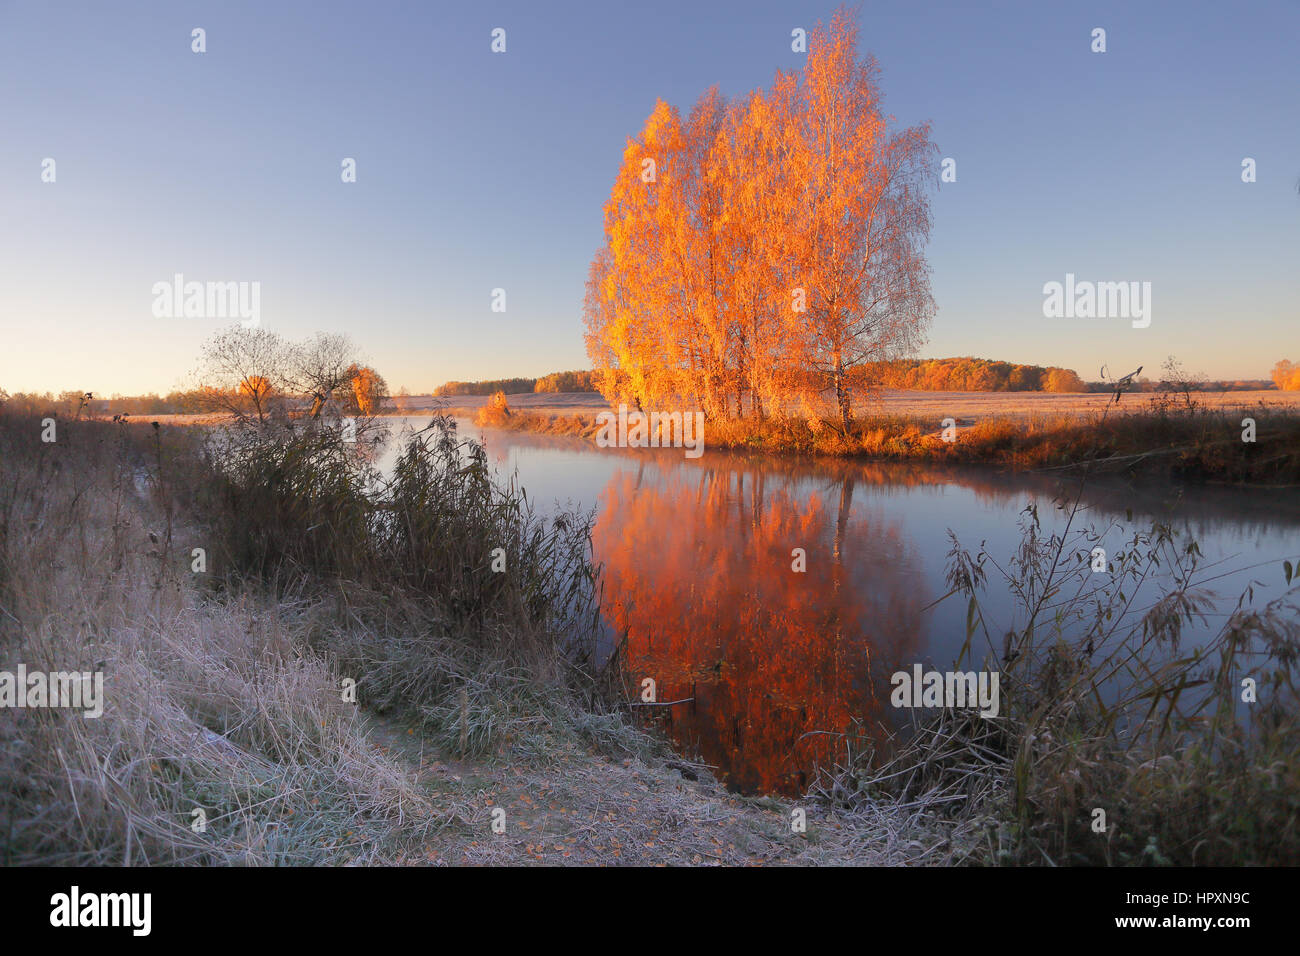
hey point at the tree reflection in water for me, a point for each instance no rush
(698, 573)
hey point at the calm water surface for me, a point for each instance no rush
(697, 564)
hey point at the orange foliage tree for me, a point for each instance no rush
(368, 388)
(762, 240)
(566, 382)
(1286, 376)
(244, 373)
(257, 389)
(1062, 380)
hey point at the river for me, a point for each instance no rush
(772, 663)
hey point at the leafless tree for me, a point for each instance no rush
(323, 365)
(1178, 384)
(245, 373)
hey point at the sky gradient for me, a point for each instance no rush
(478, 171)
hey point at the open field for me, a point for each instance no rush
(967, 407)
(974, 406)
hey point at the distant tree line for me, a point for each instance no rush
(1145, 384)
(151, 403)
(252, 374)
(70, 404)
(575, 381)
(968, 374)
(581, 381)
(511, 386)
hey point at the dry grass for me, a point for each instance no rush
(1195, 443)
(213, 701)
(498, 414)
(1105, 709)
(583, 809)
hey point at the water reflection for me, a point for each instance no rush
(700, 578)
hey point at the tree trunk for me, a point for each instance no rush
(842, 392)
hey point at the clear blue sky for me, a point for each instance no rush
(479, 170)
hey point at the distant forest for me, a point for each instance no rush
(962, 374)
(555, 382)
(968, 375)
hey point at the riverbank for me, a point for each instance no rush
(292, 677)
(1197, 441)
(229, 735)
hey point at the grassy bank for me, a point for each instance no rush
(225, 667)
(1160, 439)
(476, 690)
(215, 699)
